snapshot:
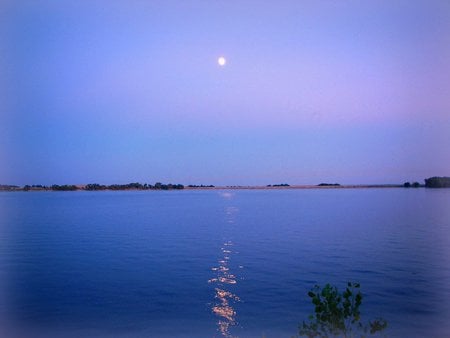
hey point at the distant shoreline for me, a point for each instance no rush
(432, 182)
(250, 187)
(258, 187)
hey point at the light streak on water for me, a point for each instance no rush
(224, 298)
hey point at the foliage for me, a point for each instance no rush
(409, 185)
(133, 186)
(437, 182)
(338, 314)
(65, 187)
(94, 186)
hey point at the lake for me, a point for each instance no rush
(219, 263)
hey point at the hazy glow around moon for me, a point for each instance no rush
(221, 61)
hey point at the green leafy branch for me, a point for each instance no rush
(338, 314)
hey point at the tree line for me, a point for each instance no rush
(437, 182)
(95, 187)
(432, 182)
(134, 186)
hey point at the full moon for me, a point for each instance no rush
(221, 61)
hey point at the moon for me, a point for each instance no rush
(221, 61)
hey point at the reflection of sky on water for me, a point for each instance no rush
(224, 298)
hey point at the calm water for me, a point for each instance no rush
(219, 263)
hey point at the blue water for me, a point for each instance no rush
(219, 263)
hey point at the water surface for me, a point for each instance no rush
(219, 263)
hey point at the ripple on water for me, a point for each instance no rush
(222, 307)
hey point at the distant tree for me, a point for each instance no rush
(407, 184)
(94, 186)
(338, 314)
(437, 182)
(64, 187)
(416, 185)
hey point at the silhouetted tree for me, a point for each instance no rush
(437, 182)
(64, 187)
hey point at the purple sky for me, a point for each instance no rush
(313, 91)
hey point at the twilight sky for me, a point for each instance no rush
(313, 91)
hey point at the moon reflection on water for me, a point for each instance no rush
(224, 298)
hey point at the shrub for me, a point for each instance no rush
(338, 314)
